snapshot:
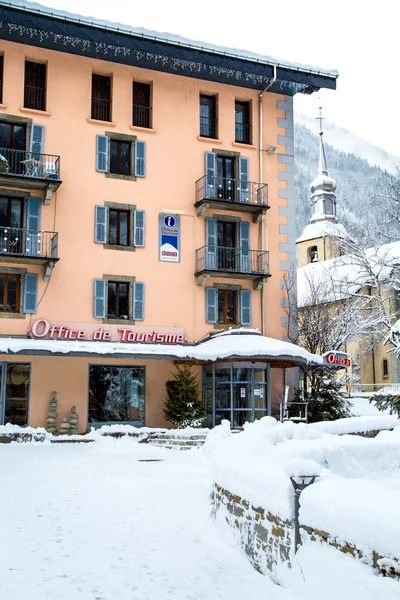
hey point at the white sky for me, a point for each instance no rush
(359, 38)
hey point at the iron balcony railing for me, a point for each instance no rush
(231, 190)
(101, 109)
(28, 243)
(208, 127)
(18, 163)
(242, 133)
(34, 97)
(141, 116)
(232, 260)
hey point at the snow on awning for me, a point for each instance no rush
(237, 344)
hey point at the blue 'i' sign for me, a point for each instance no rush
(169, 221)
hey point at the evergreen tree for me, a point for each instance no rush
(387, 401)
(326, 400)
(183, 406)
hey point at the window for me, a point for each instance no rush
(141, 93)
(227, 307)
(116, 394)
(118, 300)
(242, 122)
(385, 368)
(120, 155)
(14, 392)
(328, 206)
(35, 86)
(313, 254)
(10, 292)
(118, 227)
(1, 77)
(208, 116)
(101, 97)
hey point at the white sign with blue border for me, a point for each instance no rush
(169, 237)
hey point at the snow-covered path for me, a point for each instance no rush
(92, 522)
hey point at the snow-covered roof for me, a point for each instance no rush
(31, 23)
(339, 278)
(322, 229)
(238, 343)
(167, 37)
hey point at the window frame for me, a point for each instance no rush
(40, 101)
(130, 280)
(385, 368)
(236, 295)
(213, 99)
(19, 282)
(119, 157)
(118, 212)
(312, 252)
(148, 116)
(122, 137)
(118, 284)
(247, 135)
(93, 98)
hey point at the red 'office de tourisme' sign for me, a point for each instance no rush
(337, 359)
(115, 333)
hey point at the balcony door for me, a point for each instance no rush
(226, 178)
(11, 219)
(226, 245)
(12, 148)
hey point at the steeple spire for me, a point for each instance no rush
(323, 197)
(322, 167)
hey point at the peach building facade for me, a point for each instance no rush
(139, 205)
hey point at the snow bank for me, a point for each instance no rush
(362, 407)
(355, 475)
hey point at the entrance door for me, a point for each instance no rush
(11, 219)
(222, 394)
(242, 397)
(226, 245)
(14, 393)
(226, 178)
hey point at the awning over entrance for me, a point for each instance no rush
(237, 344)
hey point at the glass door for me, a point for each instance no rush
(14, 393)
(222, 394)
(242, 397)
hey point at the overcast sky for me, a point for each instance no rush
(359, 38)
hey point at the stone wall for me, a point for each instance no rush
(268, 540)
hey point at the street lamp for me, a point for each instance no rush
(299, 482)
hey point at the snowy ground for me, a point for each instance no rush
(92, 522)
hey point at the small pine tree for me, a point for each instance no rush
(183, 406)
(326, 400)
(387, 401)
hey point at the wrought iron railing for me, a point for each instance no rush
(101, 109)
(242, 133)
(141, 116)
(34, 97)
(28, 243)
(232, 260)
(208, 127)
(231, 190)
(19, 163)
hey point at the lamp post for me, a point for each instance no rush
(299, 482)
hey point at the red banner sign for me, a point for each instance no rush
(337, 359)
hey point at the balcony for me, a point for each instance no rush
(29, 246)
(101, 109)
(141, 116)
(234, 263)
(231, 194)
(30, 171)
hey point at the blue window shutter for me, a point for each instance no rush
(243, 179)
(211, 239)
(138, 301)
(211, 174)
(100, 224)
(245, 307)
(211, 305)
(140, 159)
(244, 246)
(102, 142)
(30, 293)
(37, 139)
(138, 226)
(33, 236)
(99, 310)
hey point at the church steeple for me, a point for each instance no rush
(323, 197)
